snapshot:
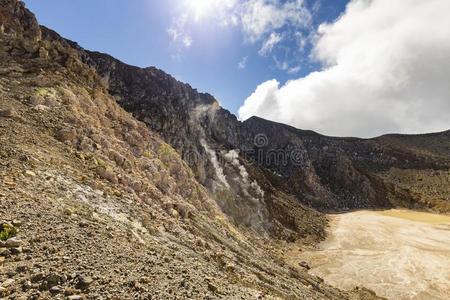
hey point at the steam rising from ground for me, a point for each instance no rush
(217, 168)
(233, 157)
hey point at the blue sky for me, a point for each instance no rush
(187, 38)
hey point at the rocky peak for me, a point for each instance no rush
(18, 21)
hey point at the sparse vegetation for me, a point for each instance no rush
(45, 92)
(7, 231)
(165, 152)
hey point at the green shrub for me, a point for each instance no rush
(165, 152)
(7, 231)
(44, 92)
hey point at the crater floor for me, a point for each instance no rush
(399, 254)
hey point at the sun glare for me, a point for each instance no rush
(200, 8)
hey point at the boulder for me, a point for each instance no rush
(43, 53)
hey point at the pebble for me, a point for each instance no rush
(16, 251)
(212, 287)
(30, 173)
(37, 277)
(75, 297)
(26, 286)
(230, 268)
(16, 223)
(8, 282)
(13, 243)
(53, 280)
(84, 282)
(144, 279)
(70, 291)
(56, 290)
(21, 269)
(305, 265)
(5, 252)
(8, 113)
(41, 107)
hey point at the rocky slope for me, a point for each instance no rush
(95, 205)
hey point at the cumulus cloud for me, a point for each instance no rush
(385, 69)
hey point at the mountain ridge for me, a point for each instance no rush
(54, 35)
(185, 115)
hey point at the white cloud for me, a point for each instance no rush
(284, 66)
(302, 41)
(261, 101)
(293, 70)
(273, 39)
(260, 17)
(316, 6)
(386, 69)
(187, 41)
(177, 31)
(243, 63)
